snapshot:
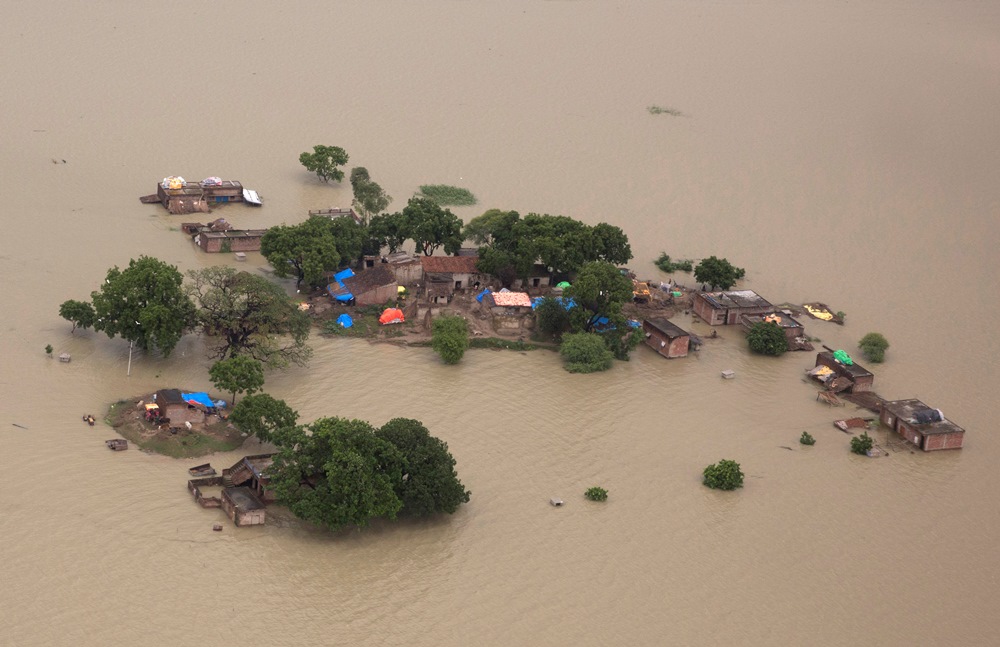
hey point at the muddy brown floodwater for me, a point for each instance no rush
(841, 152)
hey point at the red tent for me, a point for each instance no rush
(391, 316)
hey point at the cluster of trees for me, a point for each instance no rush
(337, 472)
(510, 245)
(718, 273)
(240, 314)
(450, 338)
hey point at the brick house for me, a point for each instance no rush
(861, 378)
(233, 240)
(921, 425)
(372, 287)
(793, 329)
(666, 338)
(173, 406)
(726, 308)
(459, 272)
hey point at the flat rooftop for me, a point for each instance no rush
(855, 370)
(908, 409)
(783, 320)
(736, 299)
(243, 498)
(667, 327)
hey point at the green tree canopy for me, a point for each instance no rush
(767, 338)
(718, 273)
(145, 304)
(874, 345)
(369, 197)
(306, 251)
(386, 230)
(324, 162)
(585, 352)
(600, 290)
(724, 475)
(238, 374)
(429, 483)
(245, 314)
(80, 313)
(267, 418)
(337, 473)
(450, 338)
(551, 317)
(430, 226)
(481, 229)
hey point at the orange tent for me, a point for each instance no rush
(391, 316)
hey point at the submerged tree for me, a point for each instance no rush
(585, 352)
(145, 304)
(874, 345)
(237, 374)
(429, 483)
(369, 198)
(267, 418)
(325, 161)
(305, 251)
(450, 338)
(767, 338)
(337, 473)
(80, 313)
(718, 273)
(245, 314)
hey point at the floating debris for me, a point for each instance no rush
(556, 502)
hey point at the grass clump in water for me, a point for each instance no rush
(661, 110)
(447, 195)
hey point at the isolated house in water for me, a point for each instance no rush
(719, 308)
(861, 379)
(666, 338)
(921, 425)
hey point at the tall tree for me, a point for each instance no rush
(245, 314)
(306, 251)
(386, 230)
(266, 417)
(718, 273)
(324, 162)
(599, 291)
(80, 313)
(429, 483)
(145, 304)
(609, 243)
(431, 226)
(237, 374)
(481, 229)
(349, 237)
(369, 198)
(337, 473)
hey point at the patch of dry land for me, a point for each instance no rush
(212, 435)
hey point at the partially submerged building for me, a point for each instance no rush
(181, 196)
(795, 332)
(666, 338)
(921, 425)
(336, 212)
(726, 308)
(242, 506)
(859, 378)
(245, 492)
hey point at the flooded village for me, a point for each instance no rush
(844, 159)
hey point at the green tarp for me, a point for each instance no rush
(842, 357)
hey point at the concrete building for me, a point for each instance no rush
(666, 338)
(921, 425)
(726, 308)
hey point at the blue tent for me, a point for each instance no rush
(479, 297)
(200, 398)
(343, 274)
(337, 289)
(345, 321)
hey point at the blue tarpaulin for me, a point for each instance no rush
(479, 297)
(200, 398)
(337, 289)
(343, 274)
(345, 321)
(565, 303)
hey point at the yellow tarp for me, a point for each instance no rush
(819, 313)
